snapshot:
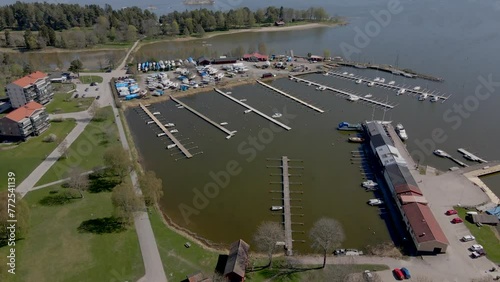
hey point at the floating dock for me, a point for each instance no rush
(471, 156)
(225, 130)
(167, 132)
(253, 110)
(448, 156)
(345, 93)
(286, 205)
(408, 89)
(291, 97)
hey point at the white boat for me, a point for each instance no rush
(309, 84)
(169, 125)
(369, 184)
(401, 91)
(440, 153)
(382, 80)
(416, 88)
(248, 111)
(180, 107)
(161, 134)
(223, 123)
(434, 99)
(359, 81)
(353, 98)
(345, 73)
(371, 83)
(377, 79)
(392, 82)
(174, 131)
(156, 113)
(423, 97)
(171, 146)
(243, 100)
(375, 202)
(401, 132)
(276, 115)
(276, 208)
(368, 95)
(351, 74)
(321, 88)
(150, 122)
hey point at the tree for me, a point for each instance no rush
(75, 66)
(152, 188)
(117, 160)
(326, 54)
(78, 180)
(29, 40)
(326, 234)
(7, 37)
(22, 215)
(267, 235)
(174, 28)
(186, 31)
(125, 200)
(131, 34)
(200, 30)
(52, 37)
(63, 149)
(27, 69)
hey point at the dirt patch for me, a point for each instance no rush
(384, 250)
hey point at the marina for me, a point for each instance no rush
(344, 93)
(167, 132)
(290, 96)
(251, 109)
(202, 116)
(468, 155)
(443, 154)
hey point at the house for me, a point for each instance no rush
(33, 87)
(237, 262)
(28, 120)
(279, 23)
(255, 57)
(203, 61)
(224, 60)
(58, 77)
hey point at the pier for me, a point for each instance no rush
(253, 109)
(408, 89)
(286, 204)
(474, 173)
(225, 130)
(291, 97)
(345, 93)
(471, 156)
(448, 156)
(167, 132)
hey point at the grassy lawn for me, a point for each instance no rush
(87, 79)
(25, 157)
(485, 236)
(87, 150)
(55, 250)
(64, 103)
(114, 45)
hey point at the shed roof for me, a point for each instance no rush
(237, 259)
(485, 219)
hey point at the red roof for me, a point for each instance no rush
(408, 189)
(30, 79)
(256, 55)
(424, 224)
(24, 111)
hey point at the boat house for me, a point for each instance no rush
(420, 223)
(255, 57)
(237, 262)
(204, 61)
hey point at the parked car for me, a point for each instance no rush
(268, 75)
(478, 254)
(87, 89)
(451, 212)
(406, 272)
(76, 96)
(476, 247)
(93, 84)
(456, 220)
(468, 238)
(83, 96)
(97, 98)
(398, 274)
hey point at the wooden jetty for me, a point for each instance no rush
(290, 96)
(468, 155)
(286, 205)
(345, 93)
(225, 130)
(167, 132)
(253, 109)
(408, 89)
(448, 156)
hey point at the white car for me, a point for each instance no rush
(368, 275)
(476, 247)
(468, 238)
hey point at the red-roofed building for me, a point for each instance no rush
(255, 57)
(33, 87)
(30, 119)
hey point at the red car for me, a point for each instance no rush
(398, 274)
(451, 212)
(457, 220)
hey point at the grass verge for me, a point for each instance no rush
(87, 79)
(25, 157)
(64, 103)
(87, 150)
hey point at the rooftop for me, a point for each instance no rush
(24, 112)
(423, 223)
(30, 79)
(237, 259)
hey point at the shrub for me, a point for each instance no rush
(51, 138)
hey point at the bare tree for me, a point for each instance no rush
(267, 235)
(63, 149)
(125, 200)
(326, 234)
(78, 180)
(152, 188)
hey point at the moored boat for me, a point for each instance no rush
(276, 115)
(440, 153)
(349, 127)
(276, 208)
(401, 132)
(375, 202)
(356, 140)
(369, 184)
(359, 81)
(353, 98)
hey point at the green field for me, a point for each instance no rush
(54, 250)
(87, 150)
(485, 236)
(64, 103)
(25, 157)
(87, 79)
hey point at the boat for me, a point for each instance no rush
(434, 99)
(375, 202)
(321, 88)
(223, 123)
(360, 66)
(345, 73)
(401, 91)
(401, 132)
(369, 184)
(440, 153)
(353, 98)
(243, 100)
(345, 126)
(276, 115)
(359, 81)
(161, 134)
(422, 97)
(382, 80)
(377, 79)
(371, 83)
(368, 95)
(156, 113)
(150, 122)
(416, 88)
(169, 125)
(392, 82)
(174, 131)
(356, 140)
(247, 111)
(276, 208)
(171, 146)
(351, 74)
